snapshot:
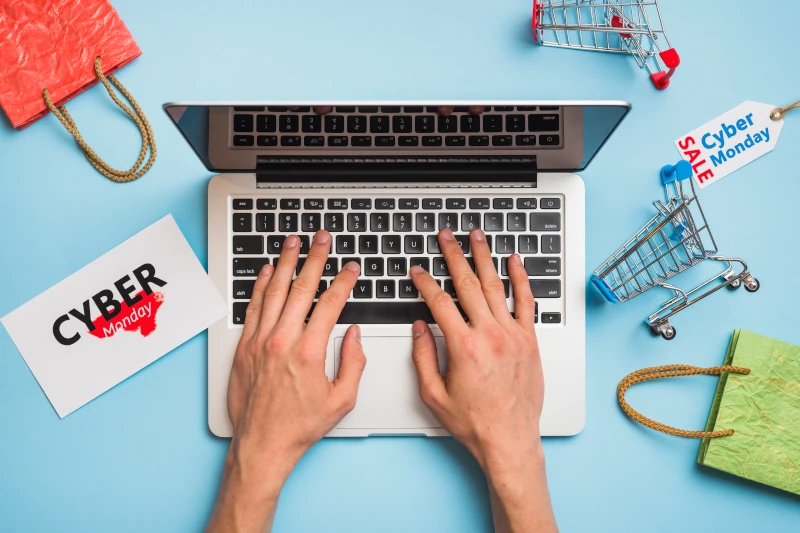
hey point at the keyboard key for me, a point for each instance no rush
(311, 222)
(243, 140)
(266, 123)
(503, 203)
(304, 244)
(363, 289)
(424, 124)
(361, 203)
(313, 203)
(463, 242)
(402, 124)
(526, 203)
(426, 222)
(345, 244)
(424, 262)
(479, 140)
(356, 124)
(402, 222)
(368, 244)
(322, 287)
(384, 203)
(346, 109)
(479, 203)
(275, 244)
(543, 266)
(384, 140)
(470, 221)
(493, 222)
(516, 222)
(346, 260)
(551, 244)
(287, 222)
(384, 311)
(446, 124)
(290, 204)
(489, 244)
(440, 267)
(239, 312)
(290, 140)
(267, 140)
(390, 109)
(455, 203)
(504, 266)
(390, 244)
(450, 288)
(266, 204)
(396, 266)
(265, 222)
(551, 318)
(334, 124)
(338, 141)
(288, 123)
(334, 222)
(501, 140)
(471, 263)
(373, 266)
(492, 123)
(413, 109)
(543, 122)
(546, 288)
(301, 109)
(433, 244)
(337, 203)
(249, 266)
(515, 123)
(362, 140)
(470, 123)
(455, 140)
(313, 140)
(526, 108)
(526, 140)
(448, 220)
(528, 244)
(406, 289)
(504, 244)
(248, 244)
(312, 124)
(243, 288)
(414, 244)
(379, 222)
(432, 140)
(409, 203)
(432, 203)
(242, 123)
(331, 267)
(549, 140)
(242, 222)
(278, 109)
(550, 203)
(545, 221)
(384, 288)
(406, 140)
(379, 124)
(548, 108)
(243, 203)
(504, 108)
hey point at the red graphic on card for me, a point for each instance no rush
(140, 316)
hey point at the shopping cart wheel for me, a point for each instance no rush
(752, 285)
(735, 284)
(669, 333)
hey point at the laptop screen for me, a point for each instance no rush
(237, 137)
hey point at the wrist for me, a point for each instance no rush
(512, 470)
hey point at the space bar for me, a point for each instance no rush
(385, 313)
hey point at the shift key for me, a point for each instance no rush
(546, 288)
(248, 244)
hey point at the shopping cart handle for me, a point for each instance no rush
(678, 172)
(604, 289)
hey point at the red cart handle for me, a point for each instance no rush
(671, 60)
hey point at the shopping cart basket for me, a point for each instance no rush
(673, 241)
(621, 26)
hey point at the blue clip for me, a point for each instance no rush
(678, 172)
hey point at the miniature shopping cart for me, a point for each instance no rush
(621, 26)
(673, 241)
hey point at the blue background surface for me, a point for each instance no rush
(140, 458)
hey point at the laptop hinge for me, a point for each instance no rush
(450, 170)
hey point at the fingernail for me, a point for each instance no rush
(416, 269)
(418, 328)
(516, 259)
(446, 234)
(266, 270)
(478, 234)
(322, 237)
(357, 333)
(291, 241)
(352, 265)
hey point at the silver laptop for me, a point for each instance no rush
(383, 178)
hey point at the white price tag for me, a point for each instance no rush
(730, 141)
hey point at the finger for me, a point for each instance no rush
(351, 368)
(467, 284)
(524, 305)
(493, 288)
(322, 110)
(252, 316)
(445, 111)
(278, 287)
(331, 303)
(304, 288)
(442, 307)
(476, 109)
(431, 383)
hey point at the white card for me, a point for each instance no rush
(730, 141)
(156, 296)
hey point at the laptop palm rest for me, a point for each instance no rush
(388, 396)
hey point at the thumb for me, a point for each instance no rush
(431, 383)
(351, 367)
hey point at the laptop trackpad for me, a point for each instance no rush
(388, 396)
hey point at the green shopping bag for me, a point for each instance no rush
(753, 429)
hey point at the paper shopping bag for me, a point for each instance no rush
(753, 428)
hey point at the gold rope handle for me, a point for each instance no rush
(672, 371)
(138, 116)
(780, 112)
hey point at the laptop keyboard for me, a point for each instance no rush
(387, 235)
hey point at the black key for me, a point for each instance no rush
(331, 267)
(455, 140)
(248, 108)
(362, 140)
(402, 124)
(479, 203)
(384, 140)
(337, 203)
(471, 263)
(304, 244)
(390, 109)
(311, 221)
(504, 266)
(243, 288)
(494, 260)
(528, 244)
(356, 221)
(501, 140)
(506, 286)
(470, 221)
(384, 312)
(492, 123)
(461, 109)
(345, 244)
(440, 267)
(312, 124)
(248, 244)
(265, 222)
(526, 203)
(543, 122)
(390, 244)
(504, 108)
(432, 203)
(413, 109)
(456, 203)
(313, 203)
(267, 140)
(503, 203)
(470, 123)
(314, 140)
(426, 222)
(447, 124)
(543, 266)
(290, 203)
(396, 266)
(489, 244)
(288, 123)
(322, 287)
(493, 222)
(551, 244)
(550, 203)
(334, 124)
(379, 222)
(379, 123)
(515, 123)
(448, 220)
(334, 221)
(361, 203)
(239, 312)
(424, 124)
(275, 244)
(363, 289)
(549, 140)
(407, 289)
(279, 109)
(526, 140)
(301, 109)
(243, 140)
(516, 222)
(346, 260)
(266, 204)
(408, 140)
(409, 203)
(546, 288)
(356, 124)
(242, 123)
(384, 288)
(545, 221)
(242, 222)
(463, 242)
(432, 109)
(504, 244)
(432, 140)
(402, 222)
(249, 266)
(549, 108)
(450, 288)
(287, 222)
(551, 318)
(243, 203)
(368, 244)
(367, 109)
(346, 109)
(424, 262)
(373, 266)
(433, 244)
(384, 203)
(414, 244)
(526, 108)
(479, 140)
(290, 140)
(338, 141)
